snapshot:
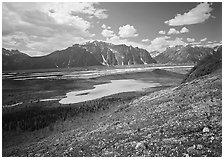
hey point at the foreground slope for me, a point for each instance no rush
(179, 121)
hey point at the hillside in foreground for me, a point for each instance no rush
(185, 120)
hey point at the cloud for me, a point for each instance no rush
(203, 39)
(107, 33)
(88, 8)
(196, 15)
(212, 45)
(36, 45)
(104, 26)
(45, 27)
(145, 40)
(195, 43)
(117, 40)
(51, 10)
(127, 31)
(161, 43)
(184, 30)
(173, 31)
(177, 41)
(100, 14)
(190, 39)
(162, 32)
(210, 42)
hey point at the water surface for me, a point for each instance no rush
(102, 90)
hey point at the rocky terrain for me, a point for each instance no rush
(184, 120)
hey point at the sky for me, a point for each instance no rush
(40, 28)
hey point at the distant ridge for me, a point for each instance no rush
(183, 54)
(90, 54)
(98, 53)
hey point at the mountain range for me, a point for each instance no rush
(183, 54)
(98, 53)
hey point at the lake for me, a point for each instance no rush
(102, 90)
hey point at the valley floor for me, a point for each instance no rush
(184, 120)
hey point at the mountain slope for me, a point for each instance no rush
(109, 54)
(90, 54)
(13, 59)
(207, 65)
(74, 56)
(183, 54)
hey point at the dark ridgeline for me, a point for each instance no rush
(209, 64)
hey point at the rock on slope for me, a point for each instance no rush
(207, 65)
(183, 54)
(180, 121)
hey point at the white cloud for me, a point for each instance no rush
(173, 31)
(117, 40)
(162, 32)
(177, 41)
(100, 14)
(161, 43)
(203, 39)
(196, 15)
(104, 26)
(184, 30)
(107, 33)
(127, 31)
(210, 42)
(47, 26)
(195, 43)
(88, 8)
(213, 44)
(145, 40)
(190, 39)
